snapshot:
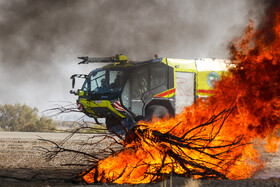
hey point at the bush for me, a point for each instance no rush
(23, 118)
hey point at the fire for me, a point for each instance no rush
(212, 138)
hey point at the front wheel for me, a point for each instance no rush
(156, 111)
(119, 126)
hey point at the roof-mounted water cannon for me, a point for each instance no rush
(118, 58)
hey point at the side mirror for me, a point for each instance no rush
(73, 80)
(76, 75)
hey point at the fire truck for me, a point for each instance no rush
(124, 92)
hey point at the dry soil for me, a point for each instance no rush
(23, 163)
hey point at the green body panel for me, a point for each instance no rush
(90, 105)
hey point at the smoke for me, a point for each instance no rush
(40, 40)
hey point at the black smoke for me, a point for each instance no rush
(39, 40)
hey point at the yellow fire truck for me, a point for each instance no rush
(125, 92)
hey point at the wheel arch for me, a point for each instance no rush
(165, 103)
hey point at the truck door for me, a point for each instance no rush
(185, 90)
(139, 86)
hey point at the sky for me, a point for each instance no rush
(41, 40)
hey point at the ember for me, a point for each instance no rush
(212, 138)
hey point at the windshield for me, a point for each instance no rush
(104, 84)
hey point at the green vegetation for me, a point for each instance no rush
(24, 118)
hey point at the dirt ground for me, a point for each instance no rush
(23, 163)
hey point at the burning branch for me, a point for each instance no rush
(150, 155)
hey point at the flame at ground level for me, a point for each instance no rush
(212, 138)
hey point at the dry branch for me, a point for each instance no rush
(174, 150)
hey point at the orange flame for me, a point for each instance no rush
(253, 87)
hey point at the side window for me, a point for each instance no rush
(96, 80)
(116, 80)
(158, 75)
(139, 82)
(112, 76)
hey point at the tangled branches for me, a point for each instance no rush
(150, 155)
(81, 149)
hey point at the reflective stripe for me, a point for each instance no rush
(170, 92)
(117, 106)
(80, 107)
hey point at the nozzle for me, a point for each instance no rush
(84, 58)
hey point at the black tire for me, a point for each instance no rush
(157, 111)
(117, 126)
(111, 124)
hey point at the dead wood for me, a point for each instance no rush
(172, 146)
